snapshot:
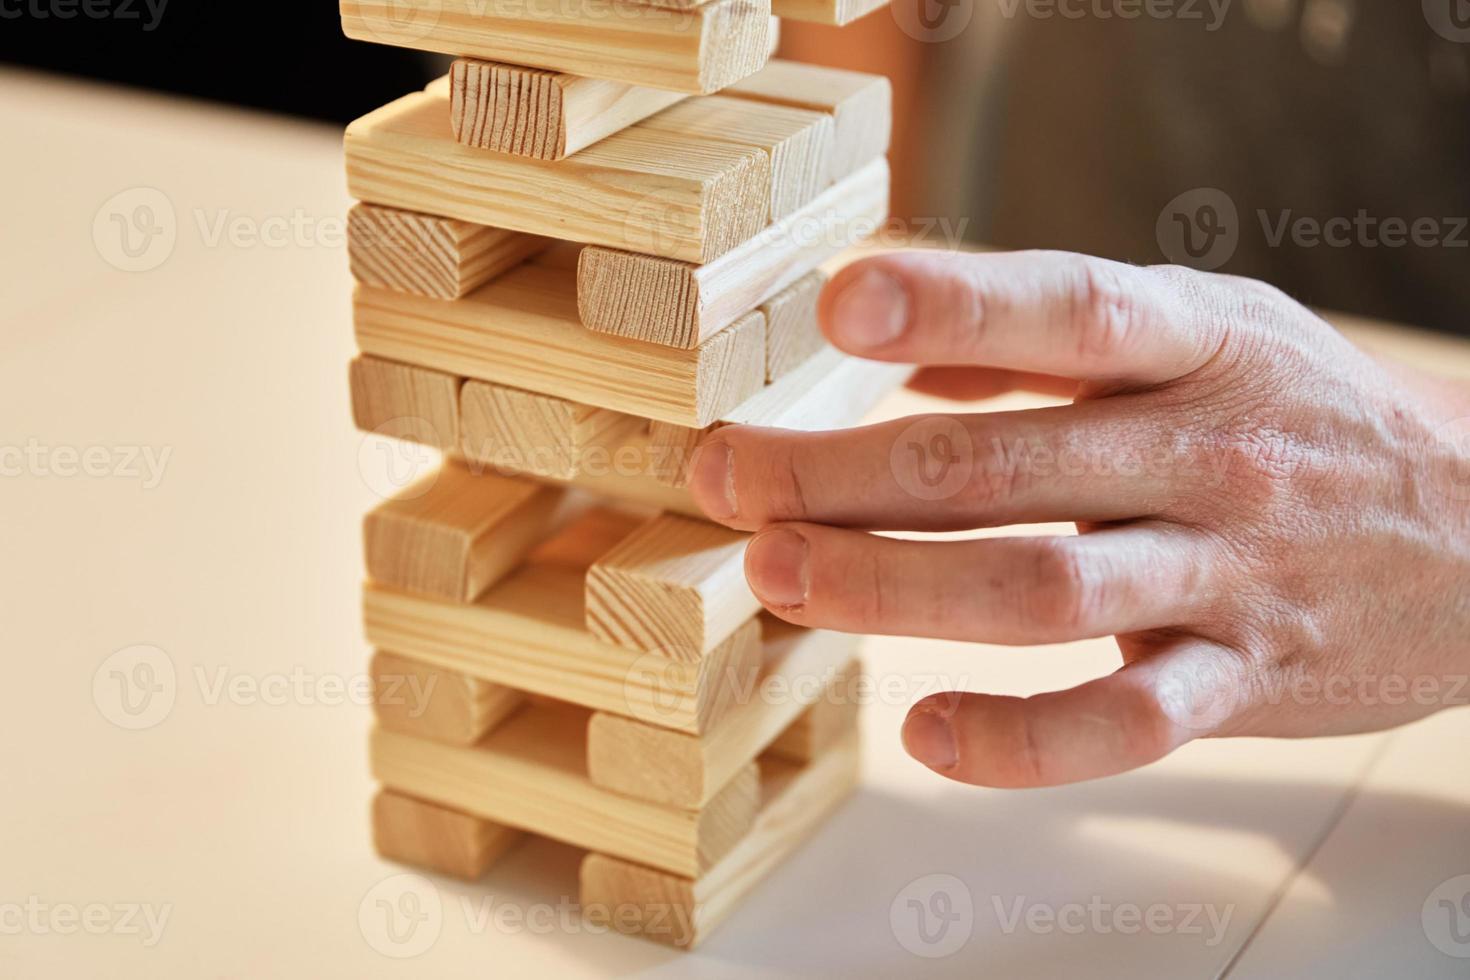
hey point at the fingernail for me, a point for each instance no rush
(778, 562)
(712, 480)
(928, 737)
(871, 311)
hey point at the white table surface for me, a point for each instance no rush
(242, 816)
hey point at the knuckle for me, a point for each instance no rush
(1106, 314)
(1062, 588)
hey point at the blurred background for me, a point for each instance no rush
(1321, 145)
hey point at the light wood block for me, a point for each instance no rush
(646, 190)
(435, 838)
(544, 435)
(798, 142)
(531, 773)
(522, 331)
(401, 401)
(675, 587)
(629, 293)
(806, 676)
(547, 115)
(793, 333)
(684, 911)
(828, 391)
(457, 532)
(699, 50)
(835, 12)
(429, 255)
(861, 105)
(441, 705)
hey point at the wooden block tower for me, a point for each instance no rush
(600, 236)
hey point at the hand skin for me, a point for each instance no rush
(1275, 526)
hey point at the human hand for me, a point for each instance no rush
(1275, 526)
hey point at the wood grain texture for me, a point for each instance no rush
(793, 333)
(524, 432)
(699, 50)
(456, 532)
(441, 705)
(630, 293)
(429, 255)
(435, 838)
(684, 911)
(641, 189)
(834, 12)
(531, 774)
(547, 115)
(400, 401)
(522, 331)
(830, 390)
(807, 674)
(798, 142)
(675, 587)
(861, 106)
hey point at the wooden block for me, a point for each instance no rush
(834, 12)
(457, 532)
(529, 633)
(531, 773)
(547, 115)
(647, 190)
(675, 587)
(682, 911)
(798, 142)
(435, 838)
(429, 255)
(793, 334)
(679, 304)
(522, 331)
(441, 705)
(861, 106)
(525, 432)
(806, 674)
(582, 543)
(401, 401)
(828, 391)
(819, 728)
(699, 50)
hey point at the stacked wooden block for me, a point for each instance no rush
(573, 260)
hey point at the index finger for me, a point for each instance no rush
(1052, 313)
